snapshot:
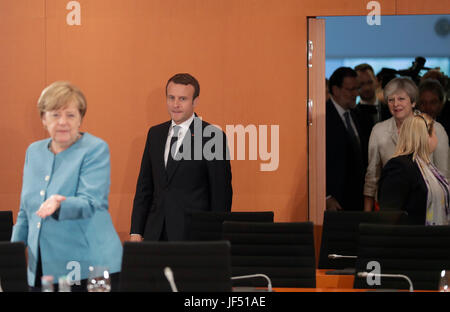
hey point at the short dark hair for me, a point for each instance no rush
(364, 67)
(185, 79)
(337, 78)
(385, 75)
(434, 86)
(435, 74)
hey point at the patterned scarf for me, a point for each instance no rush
(438, 197)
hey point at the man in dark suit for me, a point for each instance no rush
(344, 156)
(369, 110)
(185, 167)
(432, 102)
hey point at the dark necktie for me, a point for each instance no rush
(373, 111)
(173, 142)
(350, 128)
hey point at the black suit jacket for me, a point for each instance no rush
(365, 115)
(195, 184)
(402, 187)
(344, 162)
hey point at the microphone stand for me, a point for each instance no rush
(169, 275)
(269, 282)
(366, 274)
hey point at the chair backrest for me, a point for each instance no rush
(196, 266)
(340, 234)
(6, 225)
(417, 251)
(207, 225)
(13, 267)
(282, 251)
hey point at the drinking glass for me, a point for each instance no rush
(98, 280)
(47, 283)
(64, 284)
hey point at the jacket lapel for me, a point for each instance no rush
(393, 131)
(161, 145)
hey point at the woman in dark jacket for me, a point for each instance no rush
(410, 181)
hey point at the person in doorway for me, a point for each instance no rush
(401, 95)
(344, 151)
(410, 181)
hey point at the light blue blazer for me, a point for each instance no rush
(80, 233)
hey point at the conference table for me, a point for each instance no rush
(326, 283)
(324, 280)
(333, 283)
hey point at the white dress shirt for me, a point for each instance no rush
(182, 132)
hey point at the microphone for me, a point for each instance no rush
(269, 282)
(169, 275)
(366, 274)
(335, 256)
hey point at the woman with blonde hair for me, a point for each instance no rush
(63, 218)
(401, 96)
(409, 181)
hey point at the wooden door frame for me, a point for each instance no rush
(316, 120)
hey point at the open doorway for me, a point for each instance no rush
(394, 44)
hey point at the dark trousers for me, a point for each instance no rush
(163, 237)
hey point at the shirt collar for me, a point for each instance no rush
(185, 124)
(339, 108)
(361, 101)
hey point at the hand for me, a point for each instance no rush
(333, 204)
(368, 203)
(50, 206)
(136, 238)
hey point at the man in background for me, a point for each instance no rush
(369, 110)
(344, 152)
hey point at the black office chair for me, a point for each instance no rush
(418, 252)
(282, 251)
(340, 235)
(196, 266)
(207, 225)
(6, 225)
(13, 267)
